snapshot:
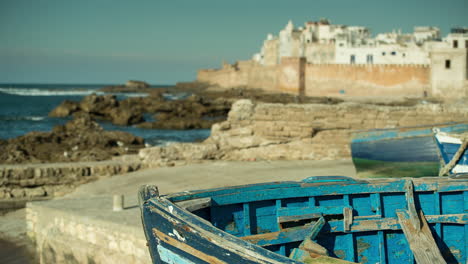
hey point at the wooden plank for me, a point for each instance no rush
(316, 227)
(465, 198)
(413, 214)
(282, 249)
(306, 257)
(195, 204)
(246, 219)
(288, 235)
(310, 246)
(296, 234)
(287, 214)
(272, 191)
(391, 223)
(421, 241)
(347, 218)
(349, 236)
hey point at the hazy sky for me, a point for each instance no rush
(165, 41)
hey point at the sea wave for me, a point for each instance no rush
(131, 94)
(44, 92)
(22, 118)
(175, 96)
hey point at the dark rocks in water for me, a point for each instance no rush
(103, 107)
(78, 140)
(137, 84)
(129, 87)
(191, 113)
(66, 108)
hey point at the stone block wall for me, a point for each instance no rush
(295, 132)
(37, 181)
(315, 131)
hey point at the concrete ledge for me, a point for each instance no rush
(86, 230)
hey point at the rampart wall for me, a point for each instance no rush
(367, 80)
(294, 75)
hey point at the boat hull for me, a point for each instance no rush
(403, 152)
(264, 223)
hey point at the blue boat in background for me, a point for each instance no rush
(317, 220)
(402, 152)
(453, 152)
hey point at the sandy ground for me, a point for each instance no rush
(214, 174)
(90, 199)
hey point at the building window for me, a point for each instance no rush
(370, 59)
(393, 53)
(404, 55)
(447, 64)
(353, 59)
(455, 44)
(383, 53)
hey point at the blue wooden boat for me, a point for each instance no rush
(318, 220)
(400, 152)
(453, 152)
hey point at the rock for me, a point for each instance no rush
(66, 108)
(80, 139)
(98, 104)
(241, 110)
(136, 84)
(125, 117)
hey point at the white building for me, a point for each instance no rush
(322, 42)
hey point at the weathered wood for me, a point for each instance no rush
(295, 234)
(347, 218)
(421, 241)
(449, 166)
(313, 247)
(288, 235)
(310, 246)
(287, 214)
(195, 204)
(390, 223)
(146, 192)
(311, 258)
(246, 219)
(409, 193)
(316, 227)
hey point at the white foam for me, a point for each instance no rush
(19, 118)
(131, 94)
(44, 92)
(176, 96)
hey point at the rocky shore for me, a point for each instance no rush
(81, 139)
(246, 125)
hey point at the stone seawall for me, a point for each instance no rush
(73, 231)
(293, 131)
(19, 183)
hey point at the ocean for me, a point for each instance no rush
(24, 108)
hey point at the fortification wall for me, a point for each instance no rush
(367, 80)
(243, 73)
(293, 75)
